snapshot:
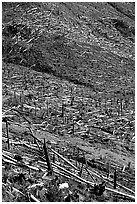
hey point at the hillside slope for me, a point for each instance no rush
(68, 102)
(87, 43)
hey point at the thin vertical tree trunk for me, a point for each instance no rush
(115, 179)
(50, 170)
(7, 130)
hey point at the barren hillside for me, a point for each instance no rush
(68, 97)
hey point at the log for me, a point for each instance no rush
(63, 158)
(118, 184)
(33, 198)
(3, 114)
(8, 157)
(10, 194)
(31, 167)
(88, 170)
(29, 146)
(58, 172)
(108, 180)
(9, 153)
(11, 161)
(74, 175)
(32, 134)
(37, 144)
(36, 185)
(66, 176)
(18, 191)
(5, 117)
(32, 107)
(8, 161)
(121, 193)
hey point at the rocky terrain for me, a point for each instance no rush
(68, 97)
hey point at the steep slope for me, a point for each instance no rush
(68, 79)
(87, 43)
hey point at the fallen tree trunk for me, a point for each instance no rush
(33, 198)
(120, 193)
(74, 175)
(64, 159)
(92, 184)
(20, 164)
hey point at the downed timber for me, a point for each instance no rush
(63, 158)
(33, 135)
(6, 152)
(58, 172)
(94, 164)
(8, 161)
(88, 170)
(111, 180)
(8, 157)
(22, 115)
(31, 107)
(33, 198)
(12, 141)
(108, 180)
(10, 194)
(20, 164)
(29, 146)
(22, 144)
(118, 184)
(18, 191)
(5, 117)
(74, 175)
(37, 144)
(121, 193)
(68, 177)
(36, 139)
(83, 180)
(4, 113)
(36, 185)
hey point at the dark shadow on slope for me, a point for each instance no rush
(124, 9)
(50, 55)
(124, 29)
(56, 54)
